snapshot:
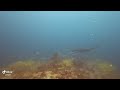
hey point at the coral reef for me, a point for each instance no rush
(60, 68)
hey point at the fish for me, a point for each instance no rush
(82, 50)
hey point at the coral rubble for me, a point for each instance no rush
(65, 68)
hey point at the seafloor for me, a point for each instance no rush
(60, 68)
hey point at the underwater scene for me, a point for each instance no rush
(59, 44)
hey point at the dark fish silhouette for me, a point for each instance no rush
(80, 50)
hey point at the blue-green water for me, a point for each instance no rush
(42, 33)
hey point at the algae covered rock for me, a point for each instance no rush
(104, 69)
(24, 65)
(67, 62)
(65, 68)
